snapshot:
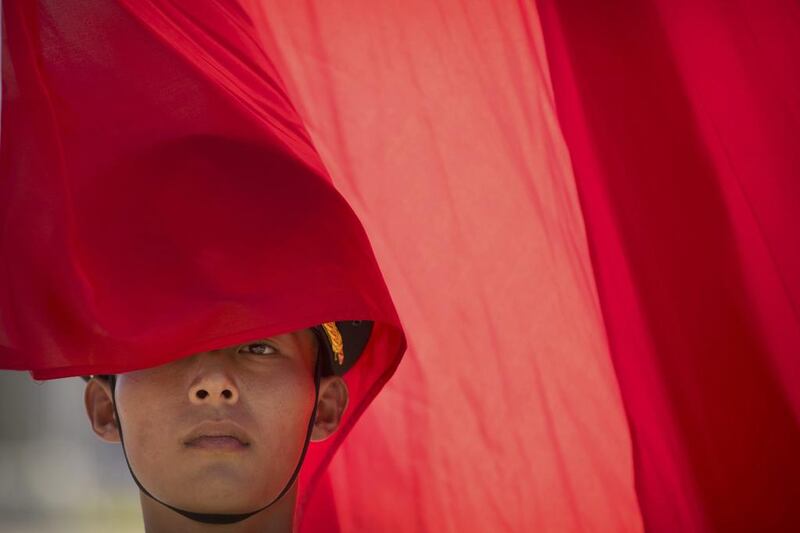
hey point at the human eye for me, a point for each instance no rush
(261, 348)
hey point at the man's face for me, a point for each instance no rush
(262, 389)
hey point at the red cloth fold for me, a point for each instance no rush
(681, 118)
(160, 197)
(587, 226)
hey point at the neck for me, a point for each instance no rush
(278, 518)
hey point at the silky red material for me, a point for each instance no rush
(682, 119)
(437, 123)
(597, 272)
(161, 198)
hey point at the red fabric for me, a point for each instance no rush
(160, 197)
(436, 122)
(682, 120)
(553, 315)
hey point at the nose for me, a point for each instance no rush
(213, 384)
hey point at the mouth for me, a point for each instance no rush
(212, 435)
(217, 443)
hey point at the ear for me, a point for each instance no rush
(100, 409)
(333, 400)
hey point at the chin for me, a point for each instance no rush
(235, 501)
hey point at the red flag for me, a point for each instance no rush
(155, 207)
(681, 120)
(597, 274)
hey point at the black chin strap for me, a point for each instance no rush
(220, 518)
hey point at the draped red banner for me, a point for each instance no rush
(681, 120)
(583, 212)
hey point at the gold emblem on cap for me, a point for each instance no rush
(336, 340)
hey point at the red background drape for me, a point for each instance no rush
(437, 122)
(584, 214)
(681, 119)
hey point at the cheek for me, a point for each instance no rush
(284, 400)
(145, 433)
(282, 406)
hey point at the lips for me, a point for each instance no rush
(211, 433)
(218, 444)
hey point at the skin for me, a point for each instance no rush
(266, 386)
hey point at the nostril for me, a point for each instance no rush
(202, 393)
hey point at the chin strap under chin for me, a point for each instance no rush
(220, 518)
